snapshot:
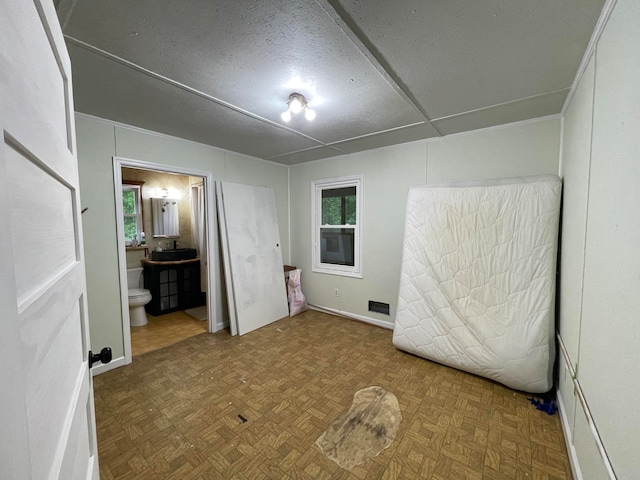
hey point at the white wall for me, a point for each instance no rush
(98, 141)
(528, 148)
(600, 279)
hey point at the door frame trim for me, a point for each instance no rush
(209, 188)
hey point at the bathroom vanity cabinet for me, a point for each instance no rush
(173, 285)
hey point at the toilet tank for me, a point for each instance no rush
(135, 278)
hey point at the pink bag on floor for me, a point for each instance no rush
(297, 301)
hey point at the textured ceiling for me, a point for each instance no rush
(376, 72)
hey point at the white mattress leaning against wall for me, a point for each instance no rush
(477, 287)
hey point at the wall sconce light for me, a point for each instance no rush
(166, 193)
(160, 193)
(296, 104)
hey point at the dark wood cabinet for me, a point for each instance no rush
(173, 285)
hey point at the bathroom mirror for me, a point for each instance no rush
(165, 217)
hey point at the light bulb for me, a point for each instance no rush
(174, 193)
(286, 115)
(309, 114)
(295, 106)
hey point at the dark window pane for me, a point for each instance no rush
(339, 192)
(337, 246)
(339, 206)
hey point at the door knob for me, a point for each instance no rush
(104, 356)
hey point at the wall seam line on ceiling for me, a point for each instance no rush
(519, 123)
(359, 40)
(145, 131)
(590, 51)
(498, 105)
(186, 88)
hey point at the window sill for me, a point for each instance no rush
(334, 271)
(138, 247)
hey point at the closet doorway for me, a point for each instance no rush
(182, 301)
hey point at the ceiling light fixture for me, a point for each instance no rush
(296, 104)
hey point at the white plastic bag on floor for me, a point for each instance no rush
(297, 301)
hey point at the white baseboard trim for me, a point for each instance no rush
(354, 316)
(221, 325)
(568, 438)
(102, 368)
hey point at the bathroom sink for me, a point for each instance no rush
(174, 255)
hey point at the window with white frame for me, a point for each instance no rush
(132, 208)
(337, 225)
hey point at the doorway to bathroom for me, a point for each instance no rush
(164, 214)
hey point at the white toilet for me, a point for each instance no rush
(138, 297)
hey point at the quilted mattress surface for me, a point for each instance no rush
(477, 286)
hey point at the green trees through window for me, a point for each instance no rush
(132, 209)
(339, 206)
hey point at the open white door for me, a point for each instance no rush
(252, 256)
(46, 397)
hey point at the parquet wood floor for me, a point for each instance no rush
(164, 330)
(175, 413)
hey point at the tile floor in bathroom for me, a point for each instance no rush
(164, 330)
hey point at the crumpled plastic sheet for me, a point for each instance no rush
(548, 406)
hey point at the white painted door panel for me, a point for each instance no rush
(46, 399)
(254, 255)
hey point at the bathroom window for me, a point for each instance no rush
(132, 208)
(337, 226)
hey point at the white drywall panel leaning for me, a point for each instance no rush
(254, 256)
